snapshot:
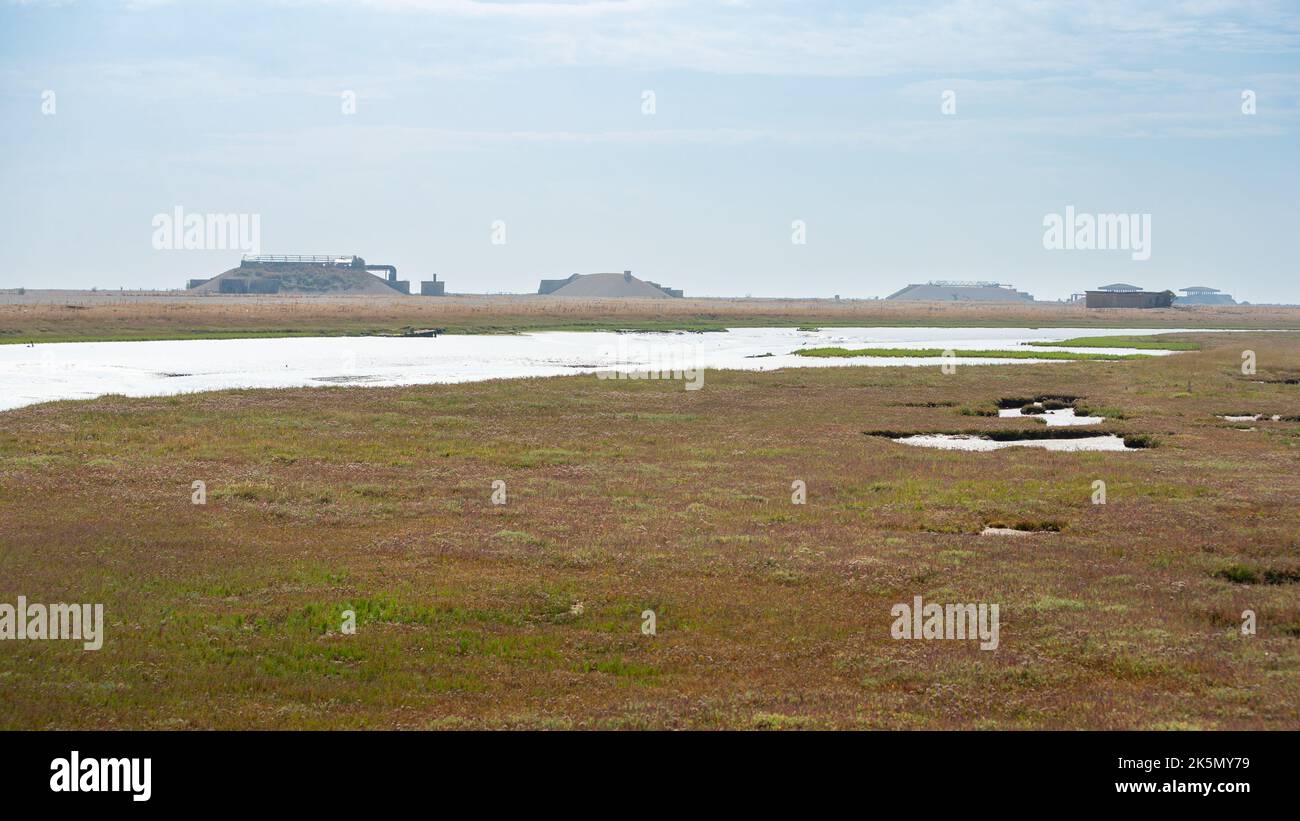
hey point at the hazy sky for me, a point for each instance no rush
(765, 113)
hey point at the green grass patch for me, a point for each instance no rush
(1141, 343)
(778, 721)
(1046, 602)
(938, 352)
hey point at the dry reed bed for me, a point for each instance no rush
(114, 317)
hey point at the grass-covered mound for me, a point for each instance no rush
(302, 279)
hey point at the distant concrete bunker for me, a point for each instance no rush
(943, 290)
(311, 274)
(622, 285)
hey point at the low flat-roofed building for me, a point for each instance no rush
(1200, 295)
(1122, 295)
(622, 285)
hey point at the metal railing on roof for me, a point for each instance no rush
(312, 259)
(963, 283)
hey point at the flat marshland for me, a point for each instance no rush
(630, 495)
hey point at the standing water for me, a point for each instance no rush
(83, 370)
